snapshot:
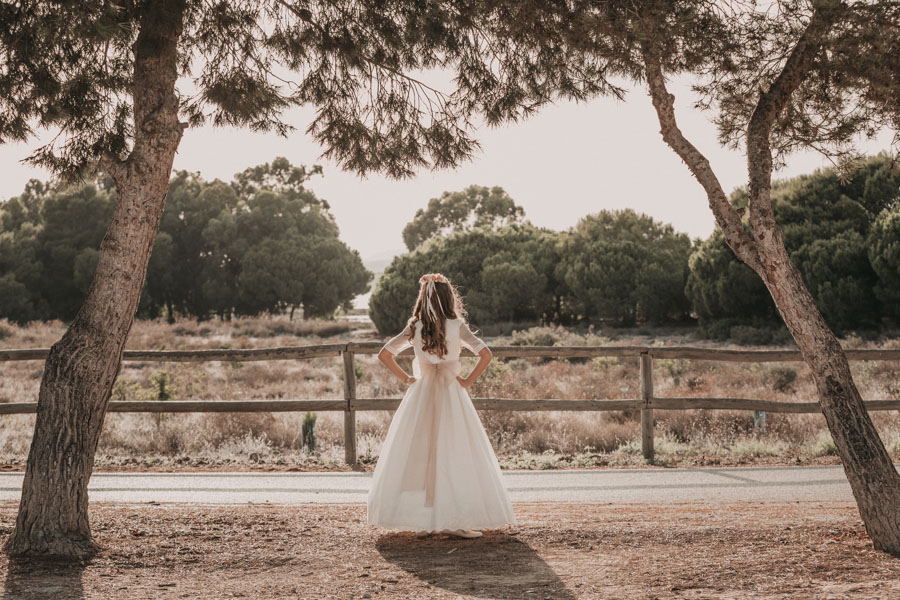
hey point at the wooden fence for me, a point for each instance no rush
(349, 404)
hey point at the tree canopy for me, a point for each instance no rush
(244, 64)
(617, 266)
(475, 206)
(264, 243)
(625, 266)
(48, 244)
(830, 233)
(504, 275)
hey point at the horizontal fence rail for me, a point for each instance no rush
(349, 404)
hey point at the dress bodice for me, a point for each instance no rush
(457, 335)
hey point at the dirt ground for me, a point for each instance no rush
(555, 551)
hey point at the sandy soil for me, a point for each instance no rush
(555, 551)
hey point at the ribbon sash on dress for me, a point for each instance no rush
(434, 379)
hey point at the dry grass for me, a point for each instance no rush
(521, 439)
(557, 551)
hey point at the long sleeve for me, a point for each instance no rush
(469, 339)
(399, 342)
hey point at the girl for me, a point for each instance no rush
(437, 471)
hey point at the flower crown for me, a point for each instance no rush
(428, 280)
(433, 277)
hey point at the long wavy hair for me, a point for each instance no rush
(437, 291)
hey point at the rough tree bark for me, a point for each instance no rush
(83, 365)
(867, 464)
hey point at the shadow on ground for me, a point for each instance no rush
(496, 566)
(37, 580)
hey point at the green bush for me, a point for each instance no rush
(358, 370)
(162, 381)
(719, 329)
(822, 445)
(758, 447)
(518, 364)
(781, 379)
(602, 363)
(747, 335)
(894, 444)
(308, 432)
(535, 336)
(744, 333)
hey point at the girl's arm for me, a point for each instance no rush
(388, 360)
(477, 345)
(394, 346)
(484, 358)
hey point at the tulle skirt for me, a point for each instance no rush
(437, 469)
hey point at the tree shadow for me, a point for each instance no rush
(495, 566)
(33, 579)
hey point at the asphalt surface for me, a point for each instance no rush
(662, 486)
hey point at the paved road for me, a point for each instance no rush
(769, 484)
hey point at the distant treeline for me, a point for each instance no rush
(265, 243)
(262, 243)
(624, 267)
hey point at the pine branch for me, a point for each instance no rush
(727, 217)
(772, 102)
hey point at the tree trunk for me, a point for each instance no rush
(869, 469)
(867, 464)
(83, 365)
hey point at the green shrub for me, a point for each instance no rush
(308, 431)
(745, 333)
(126, 389)
(602, 363)
(894, 444)
(719, 329)
(535, 336)
(748, 335)
(518, 364)
(630, 447)
(822, 445)
(358, 369)
(495, 371)
(781, 379)
(162, 381)
(332, 329)
(758, 447)
(674, 367)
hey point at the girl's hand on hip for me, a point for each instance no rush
(463, 382)
(410, 380)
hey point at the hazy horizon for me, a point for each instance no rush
(566, 162)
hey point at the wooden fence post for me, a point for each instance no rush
(647, 412)
(349, 413)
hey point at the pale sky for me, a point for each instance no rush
(568, 161)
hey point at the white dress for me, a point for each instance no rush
(437, 469)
